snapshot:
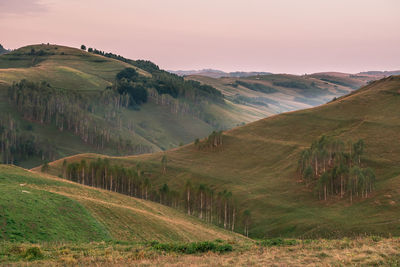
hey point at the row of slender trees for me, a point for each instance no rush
(335, 168)
(77, 113)
(199, 200)
(17, 145)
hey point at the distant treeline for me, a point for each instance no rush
(199, 200)
(244, 100)
(256, 87)
(304, 88)
(165, 82)
(334, 168)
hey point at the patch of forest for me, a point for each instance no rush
(165, 82)
(334, 168)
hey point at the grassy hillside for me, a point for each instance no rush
(42, 208)
(30, 214)
(258, 162)
(156, 125)
(99, 120)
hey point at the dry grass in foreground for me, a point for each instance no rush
(368, 251)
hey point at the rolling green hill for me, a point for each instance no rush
(81, 79)
(42, 208)
(70, 101)
(257, 163)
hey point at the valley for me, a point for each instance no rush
(129, 158)
(199, 133)
(258, 162)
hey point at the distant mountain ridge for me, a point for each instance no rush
(381, 73)
(218, 73)
(212, 73)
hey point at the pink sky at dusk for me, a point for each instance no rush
(281, 36)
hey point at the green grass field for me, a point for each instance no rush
(258, 162)
(42, 208)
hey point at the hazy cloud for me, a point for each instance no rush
(21, 7)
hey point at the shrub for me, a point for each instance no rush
(376, 238)
(277, 242)
(192, 248)
(33, 253)
(128, 73)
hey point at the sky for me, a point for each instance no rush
(280, 36)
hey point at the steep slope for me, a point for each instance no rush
(42, 208)
(258, 162)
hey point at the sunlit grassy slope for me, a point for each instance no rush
(36, 208)
(258, 162)
(64, 67)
